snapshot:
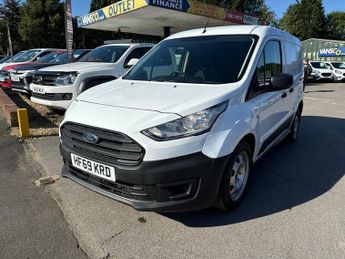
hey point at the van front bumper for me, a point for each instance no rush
(184, 183)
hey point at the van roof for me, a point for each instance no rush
(260, 30)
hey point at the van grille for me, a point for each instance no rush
(326, 74)
(44, 79)
(112, 147)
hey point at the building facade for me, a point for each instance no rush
(324, 50)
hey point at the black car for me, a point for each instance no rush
(21, 75)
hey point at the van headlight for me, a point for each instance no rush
(194, 124)
(66, 79)
(338, 72)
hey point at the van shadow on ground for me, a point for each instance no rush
(287, 176)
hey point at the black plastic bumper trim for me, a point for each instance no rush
(157, 177)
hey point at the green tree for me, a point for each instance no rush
(305, 19)
(10, 12)
(42, 24)
(336, 25)
(98, 4)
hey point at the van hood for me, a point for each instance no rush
(166, 97)
(79, 67)
(323, 70)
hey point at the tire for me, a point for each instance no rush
(235, 178)
(294, 129)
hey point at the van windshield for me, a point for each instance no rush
(202, 60)
(318, 65)
(106, 54)
(339, 65)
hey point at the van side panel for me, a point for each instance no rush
(230, 128)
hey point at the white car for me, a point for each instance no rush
(338, 70)
(26, 56)
(181, 129)
(320, 71)
(58, 86)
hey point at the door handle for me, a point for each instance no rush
(284, 95)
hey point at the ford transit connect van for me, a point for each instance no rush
(320, 71)
(338, 70)
(182, 129)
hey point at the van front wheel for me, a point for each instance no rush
(235, 178)
(292, 136)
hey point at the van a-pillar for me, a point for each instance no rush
(166, 31)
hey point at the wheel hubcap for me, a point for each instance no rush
(239, 175)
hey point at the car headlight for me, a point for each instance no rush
(66, 79)
(194, 124)
(317, 72)
(338, 72)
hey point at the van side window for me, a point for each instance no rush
(294, 59)
(273, 62)
(137, 53)
(270, 63)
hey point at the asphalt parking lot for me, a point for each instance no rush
(295, 207)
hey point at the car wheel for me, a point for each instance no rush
(294, 129)
(235, 178)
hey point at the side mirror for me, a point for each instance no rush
(281, 81)
(131, 62)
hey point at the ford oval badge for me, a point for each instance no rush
(90, 138)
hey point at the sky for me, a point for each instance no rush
(80, 7)
(280, 6)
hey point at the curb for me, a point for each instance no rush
(91, 250)
(9, 109)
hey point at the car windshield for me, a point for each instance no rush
(79, 52)
(27, 55)
(106, 54)
(318, 65)
(15, 57)
(202, 60)
(4, 59)
(49, 57)
(339, 65)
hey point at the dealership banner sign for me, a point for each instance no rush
(332, 52)
(69, 30)
(186, 6)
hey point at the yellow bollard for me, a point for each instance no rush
(23, 122)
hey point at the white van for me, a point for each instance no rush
(338, 70)
(57, 86)
(181, 130)
(320, 71)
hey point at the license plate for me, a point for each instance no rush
(94, 168)
(15, 78)
(39, 90)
